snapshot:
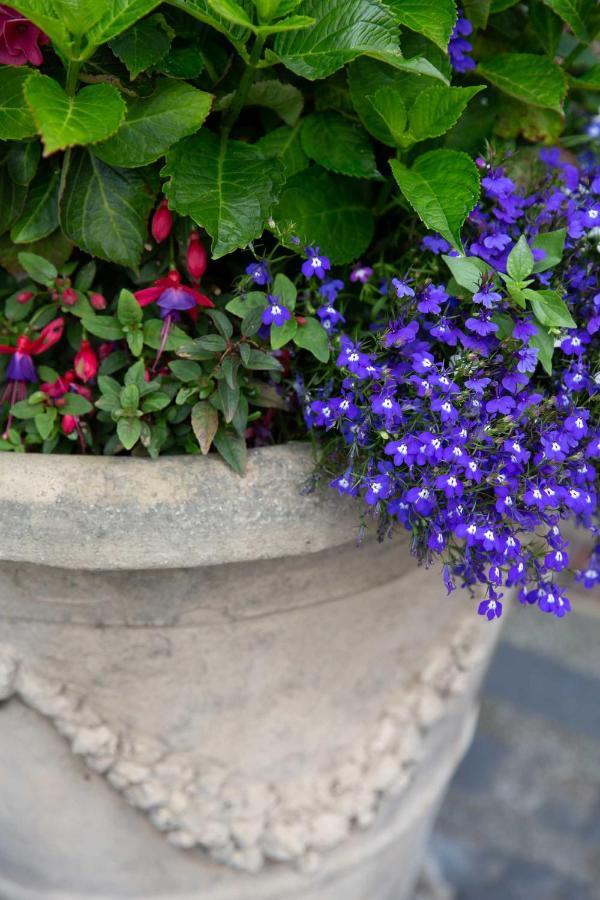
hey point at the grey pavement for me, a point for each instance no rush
(522, 818)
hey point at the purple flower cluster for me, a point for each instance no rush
(445, 421)
(459, 47)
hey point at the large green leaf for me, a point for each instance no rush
(550, 309)
(16, 121)
(104, 211)
(284, 144)
(338, 144)
(12, 198)
(388, 105)
(90, 116)
(437, 109)
(433, 18)
(227, 187)
(326, 210)
(477, 11)
(574, 13)
(155, 123)
(344, 29)
(117, 16)
(143, 45)
(40, 216)
(204, 12)
(284, 99)
(22, 160)
(530, 78)
(442, 187)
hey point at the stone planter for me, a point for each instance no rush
(210, 693)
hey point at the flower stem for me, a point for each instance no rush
(73, 68)
(246, 81)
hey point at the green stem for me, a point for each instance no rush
(570, 59)
(73, 67)
(246, 81)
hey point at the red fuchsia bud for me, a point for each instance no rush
(86, 362)
(68, 424)
(105, 349)
(69, 297)
(97, 301)
(84, 391)
(197, 258)
(24, 296)
(162, 223)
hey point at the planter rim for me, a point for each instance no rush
(90, 512)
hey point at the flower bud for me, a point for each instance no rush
(68, 297)
(162, 223)
(97, 301)
(68, 424)
(197, 258)
(86, 362)
(105, 349)
(24, 296)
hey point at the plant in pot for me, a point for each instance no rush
(304, 243)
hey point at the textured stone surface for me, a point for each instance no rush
(297, 716)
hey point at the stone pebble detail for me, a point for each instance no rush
(242, 823)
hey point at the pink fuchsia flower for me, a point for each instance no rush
(86, 362)
(20, 39)
(162, 223)
(197, 257)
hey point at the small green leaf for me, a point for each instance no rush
(38, 268)
(16, 121)
(477, 12)
(76, 405)
(285, 290)
(284, 99)
(90, 116)
(106, 327)
(232, 448)
(442, 186)
(221, 322)
(552, 243)
(230, 398)
(433, 18)
(129, 311)
(258, 360)
(241, 306)
(185, 370)
(155, 402)
(251, 322)
(437, 109)
(549, 309)
(143, 45)
(467, 270)
(229, 368)
(544, 342)
(519, 264)
(214, 343)
(528, 77)
(109, 386)
(205, 422)
(292, 23)
(338, 144)
(388, 106)
(283, 144)
(232, 12)
(135, 342)
(129, 431)
(44, 422)
(40, 216)
(136, 374)
(313, 337)
(26, 410)
(283, 334)
(130, 397)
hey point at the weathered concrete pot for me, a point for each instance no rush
(210, 693)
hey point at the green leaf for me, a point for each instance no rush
(205, 421)
(22, 161)
(550, 309)
(104, 210)
(519, 264)
(477, 12)
(437, 109)
(232, 12)
(12, 199)
(241, 306)
(389, 107)
(130, 396)
(136, 374)
(259, 361)
(183, 62)
(221, 322)
(129, 311)
(155, 402)
(251, 322)
(544, 342)
(338, 144)
(105, 327)
(117, 16)
(552, 243)
(214, 343)
(38, 268)
(227, 187)
(232, 448)
(547, 27)
(313, 337)
(153, 335)
(433, 18)
(344, 29)
(530, 78)
(286, 291)
(40, 216)
(185, 370)
(284, 145)
(230, 397)
(326, 210)
(284, 99)
(143, 45)
(44, 422)
(467, 270)
(135, 342)
(76, 405)
(26, 410)
(90, 116)
(16, 121)
(442, 187)
(283, 334)
(587, 81)
(202, 10)
(129, 431)
(572, 12)
(155, 123)
(292, 23)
